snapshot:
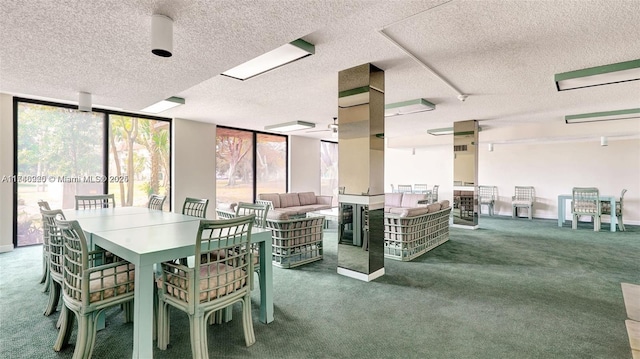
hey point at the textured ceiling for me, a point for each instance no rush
(503, 54)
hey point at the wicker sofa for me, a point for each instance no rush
(295, 205)
(411, 232)
(295, 241)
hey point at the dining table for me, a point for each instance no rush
(146, 237)
(563, 198)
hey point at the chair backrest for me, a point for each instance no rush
(404, 188)
(42, 204)
(259, 209)
(95, 201)
(230, 273)
(524, 193)
(196, 207)
(265, 202)
(434, 193)
(420, 188)
(156, 201)
(586, 200)
(487, 193)
(54, 238)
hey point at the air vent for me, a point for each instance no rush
(460, 148)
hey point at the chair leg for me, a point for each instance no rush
(596, 223)
(513, 212)
(45, 268)
(163, 325)
(66, 326)
(620, 223)
(86, 336)
(196, 335)
(247, 321)
(54, 297)
(574, 223)
(530, 212)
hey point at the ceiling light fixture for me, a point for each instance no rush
(408, 107)
(84, 102)
(283, 55)
(599, 75)
(164, 105)
(290, 126)
(161, 35)
(603, 116)
(446, 131)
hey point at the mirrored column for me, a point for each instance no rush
(465, 174)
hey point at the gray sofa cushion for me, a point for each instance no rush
(392, 200)
(273, 197)
(444, 204)
(307, 198)
(289, 200)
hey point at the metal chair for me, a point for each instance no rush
(196, 207)
(606, 209)
(487, 195)
(156, 201)
(89, 287)
(214, 283)
(95, 201)
(586, 202)
(404, 188)
(524, 197)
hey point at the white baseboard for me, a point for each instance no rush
(361, 276)
(6, 248)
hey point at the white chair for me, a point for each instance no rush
(420, 188)
(214, 283)
(487, 196)
(404, 188)
(432, 196)
(55, 243)
(524, 197)
(45, 248)
(95, 201)
(196, 207)
(606, 209)
(156, 201)
(586, 202)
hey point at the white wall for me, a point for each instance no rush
(194, 163)
(552, 168)
(6, 169)
(304, 164)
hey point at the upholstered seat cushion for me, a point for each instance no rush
(444, 204)
(111, 282)
(216, 280)
(392, 200)
(411, 199)
(307, 198)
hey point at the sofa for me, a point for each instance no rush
(410, 232)
(399, 202)
(294, 205)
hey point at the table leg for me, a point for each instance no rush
(614, 218)
(266, 282)
(561, 202)
(143, 312)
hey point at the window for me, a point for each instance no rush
(248, 163)
(61, 152)
(329, 170)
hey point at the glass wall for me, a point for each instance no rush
(329, 170)
(61, 152)
(248, 163)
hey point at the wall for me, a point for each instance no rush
(304, 164)
(194, 163)
(552, 168)
(6, 169)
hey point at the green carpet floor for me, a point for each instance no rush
(511, 289)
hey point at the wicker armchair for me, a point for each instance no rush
(487, 195)
(89, 287)
(55, 243)
(212, 284)
(95, 201)
(296, 241)
(524, 197)
(45, 249)
(586, 202)
(156, 201)
(606, 209)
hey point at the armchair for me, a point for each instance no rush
(487, 195)
(524, 197)
(586, 202)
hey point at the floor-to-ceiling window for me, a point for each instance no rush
(61, 152)
(329, 170)
(248, 163)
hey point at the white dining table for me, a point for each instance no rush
(562, 200)
(146, 237)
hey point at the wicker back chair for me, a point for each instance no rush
(420, 188)
(156, 201)
(586, 202)
(196, 207)
(54, 238)
(404, 188)
(95, 201)
(524, 197)
(433, 195)
(212, 284)
(487, 195)
(606, 209)
(259, 209)
(89, 287)
(45, 248)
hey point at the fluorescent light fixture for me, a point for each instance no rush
(84, 102)
(354, 97)
(603, 116)
(164, 105)
(407, 107)
(441, 131)
(290, 126)
(283, 55)
(599, 75)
